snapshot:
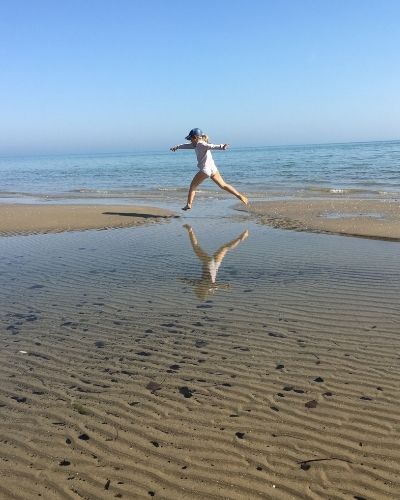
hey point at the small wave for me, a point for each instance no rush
(93, 191)
(331, 190)
(173, 189)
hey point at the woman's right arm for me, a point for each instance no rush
(183, 146)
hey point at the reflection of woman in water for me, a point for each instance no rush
(210, 265)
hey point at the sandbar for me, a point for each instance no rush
(32, 218)
(356, 217)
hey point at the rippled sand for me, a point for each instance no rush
(280, 380)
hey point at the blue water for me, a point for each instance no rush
(360, 168)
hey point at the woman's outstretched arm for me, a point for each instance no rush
(183, 146)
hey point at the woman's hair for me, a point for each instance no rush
(203, 137)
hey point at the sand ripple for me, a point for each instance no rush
(284, 385)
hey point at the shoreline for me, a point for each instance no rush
(365, 218)
(24, 219)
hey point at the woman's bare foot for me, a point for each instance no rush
(187, 207)
(244, 200)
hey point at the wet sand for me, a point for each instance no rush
(369, 218)
(118, 382)
(31, 219)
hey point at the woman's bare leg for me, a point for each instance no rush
(197, 179)
(217, 178)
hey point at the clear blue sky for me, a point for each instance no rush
(120, 75)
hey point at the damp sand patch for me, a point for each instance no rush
(367, 218)
(32, 219)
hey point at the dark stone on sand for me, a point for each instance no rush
(274, 408)
(288, 388)
(153, 386)
(68, 441)
(31, 317)
(13, 329)
(274, 334)
(318, 379)
(174, 367)
(38, 355)
(107, 485)
(200, 343)
(64, 463)
(279, 367)
(84, 437)
(311, 404)
(19, 399)
(239, 435)
(305, 466)
(34, 287)
(328, 394)
(298, 391)
(204, 306)
(151, 493)
(148, 331)
(154, 443)
(186, 392)
(357, 497)
(143, 353)
(366, 398)
(259, 468)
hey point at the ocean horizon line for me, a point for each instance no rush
(166, 151)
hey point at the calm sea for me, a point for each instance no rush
(360, 169)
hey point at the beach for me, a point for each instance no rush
(39, 218)
(200, 282)
(354, 217)
(206, 356)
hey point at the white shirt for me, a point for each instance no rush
(205, 161)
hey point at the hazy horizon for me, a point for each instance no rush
(166, 150)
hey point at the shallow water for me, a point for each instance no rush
(270, 267)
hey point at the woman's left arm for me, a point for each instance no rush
(217, 146)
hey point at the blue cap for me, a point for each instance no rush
(195, 132)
